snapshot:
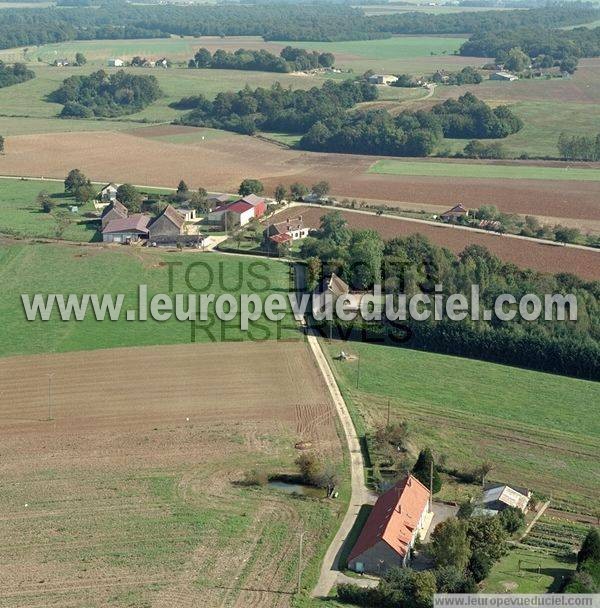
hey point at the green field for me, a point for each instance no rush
(483, 171)
(65, 269)
(537, 429)
(21, 216)
(506, 577)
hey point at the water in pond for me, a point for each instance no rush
(296, 488)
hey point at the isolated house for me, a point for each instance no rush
(126, 230)
(115, 63)
(382, 79)
(113, 211)
(168, 224)
(108, 193)
(291, 229)
(454, 214)
(335, 286)
(61, 63)
(497, 497)
(505, 76)
(163, 62)
(397, 519)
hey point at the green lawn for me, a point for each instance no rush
(507, 577)
(483, 171)
(65, 269)
(537, 429)
(21, 216)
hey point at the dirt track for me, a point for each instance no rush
(221, 163)
(526, 254)
(122, 499)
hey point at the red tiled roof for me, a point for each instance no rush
(280, 238)
(134, 223)
(239, 206)
(394, 517)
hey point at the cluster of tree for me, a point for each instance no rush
(464, 551)
(276, 21)
(579, 147)
(101, 94)
(410, 133)
(558, 46)
(469, 117)
(413, 265)
(76, 185)
(404, 80)
(467, 75)
(14, 74)
(586, 578)
(481, 149)
(314, 471)
(276, 108)
(289, 60)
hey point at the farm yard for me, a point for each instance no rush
(536, 429)
(543, 257)
(64, 269)
(133, 495)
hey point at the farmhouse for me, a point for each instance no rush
(505, 76)
(129, 229)
(163, 62)
(382, 79)
(291, 229)
(497, 497)
(454, 214)
(61, 63)
(397, 519)
(115, 63)
(113, 211)
(168, 225)
(108, 193)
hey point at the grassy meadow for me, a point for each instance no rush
(483, 171)
(537, 429)
(507, 577)
(66, 269)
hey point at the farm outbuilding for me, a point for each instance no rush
(126, 230)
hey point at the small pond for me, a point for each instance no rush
(296, 488)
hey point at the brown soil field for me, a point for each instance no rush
(221, 163)
(131, 496)
(526, 254)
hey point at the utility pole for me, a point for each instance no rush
(50, 396)
(431, 484)
(388, 413)
(300, 563)
(358, 372)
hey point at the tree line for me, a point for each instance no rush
(413, 265)
(411, 133)
(289, 60)
(14, 74)
(579, 147)
(549, 46)
(101, 94)
(278, 21)
(275, 108)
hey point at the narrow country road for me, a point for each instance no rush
(360, 494)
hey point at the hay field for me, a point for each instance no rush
(536, 429)
(131, 494)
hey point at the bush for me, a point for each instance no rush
(511, 519)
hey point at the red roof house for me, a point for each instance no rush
(259, 204)
(392, 528)
(455, 213)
